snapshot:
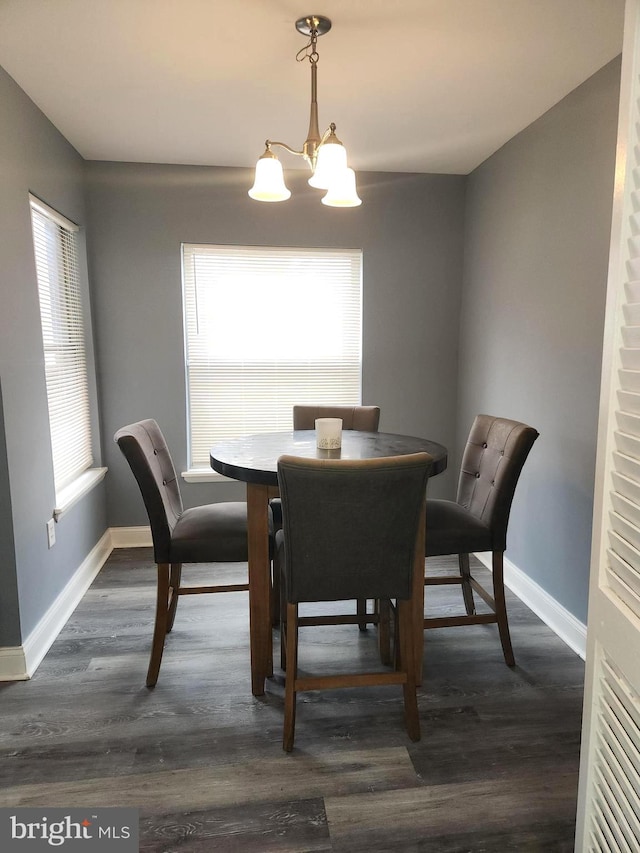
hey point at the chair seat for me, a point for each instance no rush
(211, 534)
(452, 529)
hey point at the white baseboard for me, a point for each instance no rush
(131, 537)
(13, 665)
(558, 618)
(18, 663)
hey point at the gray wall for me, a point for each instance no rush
(536, 251)
(33, 157)
(410, 228)
(9, 612)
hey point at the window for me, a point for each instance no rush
(56, 255)
(267, 328)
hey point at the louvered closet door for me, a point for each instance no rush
(609, 796)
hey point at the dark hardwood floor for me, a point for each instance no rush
(496, 769)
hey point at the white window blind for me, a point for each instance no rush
(56, 255)
(267, 328)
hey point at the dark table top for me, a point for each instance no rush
(254, 458)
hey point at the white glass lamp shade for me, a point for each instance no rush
(331, 161)
(269, 183)
(343, 193)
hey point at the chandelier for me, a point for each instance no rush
(325, 155)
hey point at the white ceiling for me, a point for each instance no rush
(413, 85)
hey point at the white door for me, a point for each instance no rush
(609, 791)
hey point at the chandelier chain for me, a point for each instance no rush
(309, 50)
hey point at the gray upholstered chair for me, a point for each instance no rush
(203, 534)
(349, 531)
(364, 418)
(477, 520)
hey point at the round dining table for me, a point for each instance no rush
(253, 459)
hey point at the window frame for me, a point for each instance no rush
(63, 320)
(293, 266)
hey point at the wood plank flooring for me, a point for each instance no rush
(496, 769)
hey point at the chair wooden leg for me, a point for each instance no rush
(282, 611)
(275, 592)
(362, 612)
(174, 585)
(283, 646)
(404, 616)
(160, 628)
(467, 591)
(397, 656)
(290, 678)
(383, 607)
(501, 607)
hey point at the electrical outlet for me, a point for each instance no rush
(51, 532)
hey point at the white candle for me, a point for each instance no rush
(329, 433)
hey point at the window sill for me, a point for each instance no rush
(72, 493)
(205, 475)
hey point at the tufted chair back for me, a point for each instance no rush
(493, 457)
(147, 453)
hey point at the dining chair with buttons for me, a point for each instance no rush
(477, 520)
(349, 531)
(204, 534)
(363, 418)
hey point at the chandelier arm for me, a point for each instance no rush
(284, 145)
